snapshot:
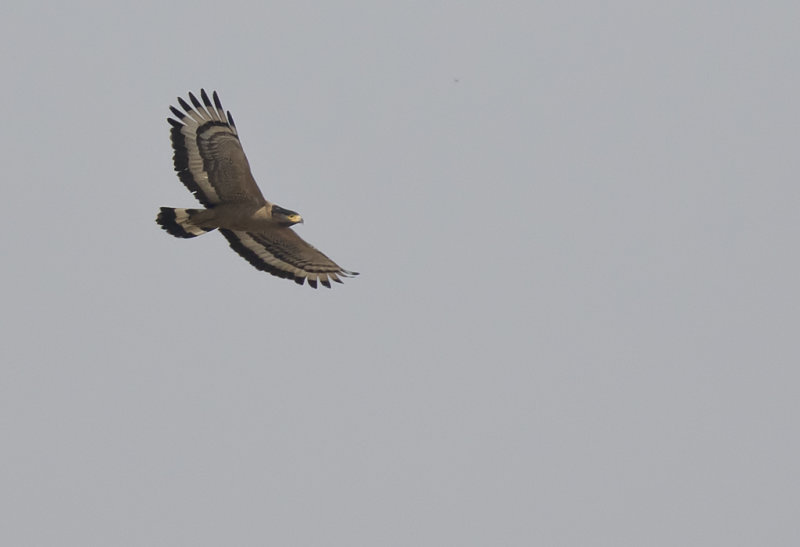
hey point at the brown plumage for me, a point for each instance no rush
(210, 161)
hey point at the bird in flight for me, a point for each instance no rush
(210, 161)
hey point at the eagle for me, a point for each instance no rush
(211, 163)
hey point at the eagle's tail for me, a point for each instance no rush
(178, 222)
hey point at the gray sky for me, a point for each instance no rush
(576, 323)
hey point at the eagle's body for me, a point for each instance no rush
(210, 161)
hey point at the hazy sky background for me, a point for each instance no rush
(577, 317)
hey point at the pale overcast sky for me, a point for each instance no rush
(577, 317)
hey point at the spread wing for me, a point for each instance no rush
(208, 155)
(283, 253)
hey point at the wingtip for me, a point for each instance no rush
(177, 112)
(184, 104)
(194, 100)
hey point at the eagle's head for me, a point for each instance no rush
(285, 217)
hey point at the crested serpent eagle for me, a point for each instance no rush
(210, 161)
